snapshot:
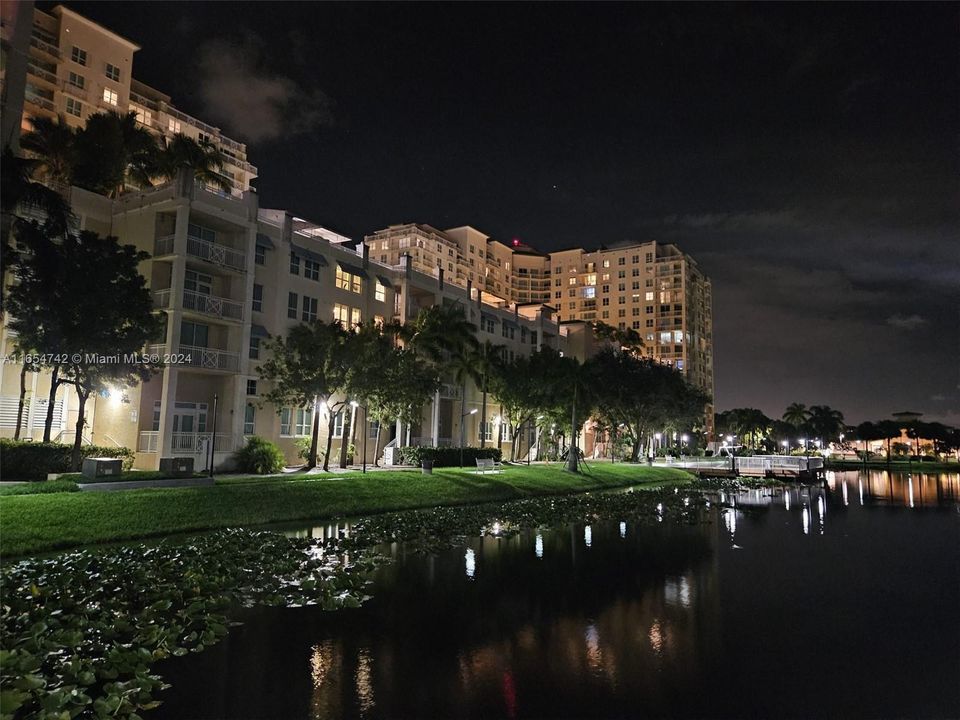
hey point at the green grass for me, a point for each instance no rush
(41, 486)
(43, 522)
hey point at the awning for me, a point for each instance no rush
(352, 269)
(488, 316)
(386, 282)
(265, 241)
(309, 254)
(259, 331)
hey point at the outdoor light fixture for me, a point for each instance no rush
(462, 416)
(354, 404)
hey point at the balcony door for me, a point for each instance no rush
(197, 282)
(194, 334)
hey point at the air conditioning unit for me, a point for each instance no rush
(176, 466)
(102, 467)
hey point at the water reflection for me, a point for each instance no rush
(628, 628)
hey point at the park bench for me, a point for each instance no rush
(485, 465)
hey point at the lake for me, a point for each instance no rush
(795, 602)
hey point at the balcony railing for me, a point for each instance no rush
(186, 443)
(199, 357)
(198, 302)
(209, 358)
(72, 89)
(42, 74)
(41, 101)
(211, 252)
(45, 47)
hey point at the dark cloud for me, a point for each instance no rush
(252, 102)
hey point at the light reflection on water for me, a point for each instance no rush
(491, 629)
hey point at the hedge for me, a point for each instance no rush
(34, 461)
(446, 456)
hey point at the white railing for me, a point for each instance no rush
(216, 253)
(45, 47)
(211, 252)
(449, 391)
(209, 358)
(754, 463)
(199, 302)
(185, 443)
(41, 73)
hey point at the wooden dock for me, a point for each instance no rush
(770, 466)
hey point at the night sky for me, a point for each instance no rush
(805, 155)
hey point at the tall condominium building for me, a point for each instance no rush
(225, 276)
(652, 288)
(76, 68)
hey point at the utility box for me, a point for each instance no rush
(177, 467)
(102, 467)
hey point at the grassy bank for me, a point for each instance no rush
(42, 522)
(894, 466)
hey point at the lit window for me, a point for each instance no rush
(649, 297)
(380, 293)
(342, 279)
(173, 125)
(110, 97)
(74, 107)
(78, 56)
(572, 281)
(341, 313)
(355, 317)
(113, 72)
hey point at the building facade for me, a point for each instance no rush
(76, 68)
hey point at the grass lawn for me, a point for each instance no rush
(44, 521)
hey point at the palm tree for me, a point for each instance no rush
(202, 158)
(113, 151)
(446, 338)
(486, 358)
(797, 415)
(52, 143)
(826, 422)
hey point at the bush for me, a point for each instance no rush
(46, 486)
(21, 460)
(260, 456)
(445, 457)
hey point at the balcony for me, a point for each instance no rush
(198, 302)
(42, 46)
(205, 358)
(186, 443)
(32, 97)
(42, 74)
(75, 91)
(211, 252)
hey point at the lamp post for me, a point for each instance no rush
(684, 439)
(354, 404)
(462, 416)
(786, 446)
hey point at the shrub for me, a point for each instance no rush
(260, 456)
(21, 460)
(447, 456)
(46, 486)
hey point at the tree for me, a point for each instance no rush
(888, 430)
(306, 369)
(524, 389)
(826, 423)
(486, 360)
(749, 424)
(203, 159)
(53, 144)
(113, 150)
(797, 415)
(21, 196)
(444, 337)
(84, 301)
(646, 396)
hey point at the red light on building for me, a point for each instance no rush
(516, 242)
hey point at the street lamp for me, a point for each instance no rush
(462, 416)
(786, 444)
(366, 431)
